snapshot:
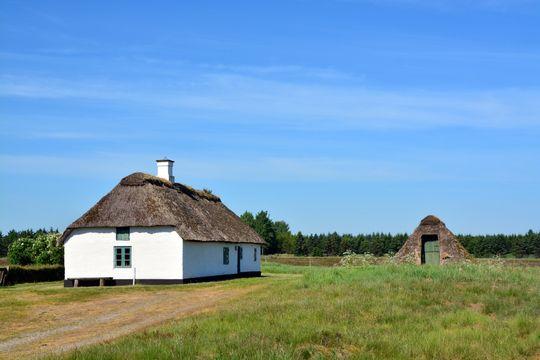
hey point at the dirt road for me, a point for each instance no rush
(67, 326)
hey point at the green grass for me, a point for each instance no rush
(373, 312)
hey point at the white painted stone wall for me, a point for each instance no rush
(206, 259)
(248, 263)
(156, 253)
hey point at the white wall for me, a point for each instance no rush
(156, 253)
(247, 262)
(206, 259)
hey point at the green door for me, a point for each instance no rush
(430, 249)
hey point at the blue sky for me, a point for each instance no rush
(348, 116)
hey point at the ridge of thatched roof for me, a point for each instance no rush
(140, 179)
(431, 220)
(143, 200)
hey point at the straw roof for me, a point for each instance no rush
(431, 220)
(144, 200)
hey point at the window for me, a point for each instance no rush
(122, 233)
(255, 254)
(122, 256)
(225, 256)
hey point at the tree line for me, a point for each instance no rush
(282, 241)
(39, 247)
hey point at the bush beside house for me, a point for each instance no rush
(39, 250)
(34, 257)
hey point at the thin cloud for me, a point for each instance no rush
(289, 70)
(76, 135)
(274, 169)
(458, 167)
(452, 5)
(240, 98)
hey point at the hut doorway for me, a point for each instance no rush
(430, 250)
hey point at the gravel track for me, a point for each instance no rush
(106, 318)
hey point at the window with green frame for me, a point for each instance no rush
(122, 256)
(122, 233)
(225, 256)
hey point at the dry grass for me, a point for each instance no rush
(513, 261)
(334, 260)
(46, 318)
(303, 260)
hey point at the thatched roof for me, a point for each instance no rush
(146, 201)
(431, 220)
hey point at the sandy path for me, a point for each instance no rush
(89, 322)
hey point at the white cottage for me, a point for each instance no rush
(151, 230)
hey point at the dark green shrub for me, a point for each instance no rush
(27, 274)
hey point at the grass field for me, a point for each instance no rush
(335, 260)
(374, 312)
(297, 312)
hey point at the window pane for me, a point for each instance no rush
(127, 256)
(122, 233)
(122, 256)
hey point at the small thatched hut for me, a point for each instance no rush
(432, 243)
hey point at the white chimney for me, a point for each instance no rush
(164, 169)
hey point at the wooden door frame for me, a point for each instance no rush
(425, 238)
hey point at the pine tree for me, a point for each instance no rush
(265, 228)
(248, 218)
(301, 248)
(284, 238)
